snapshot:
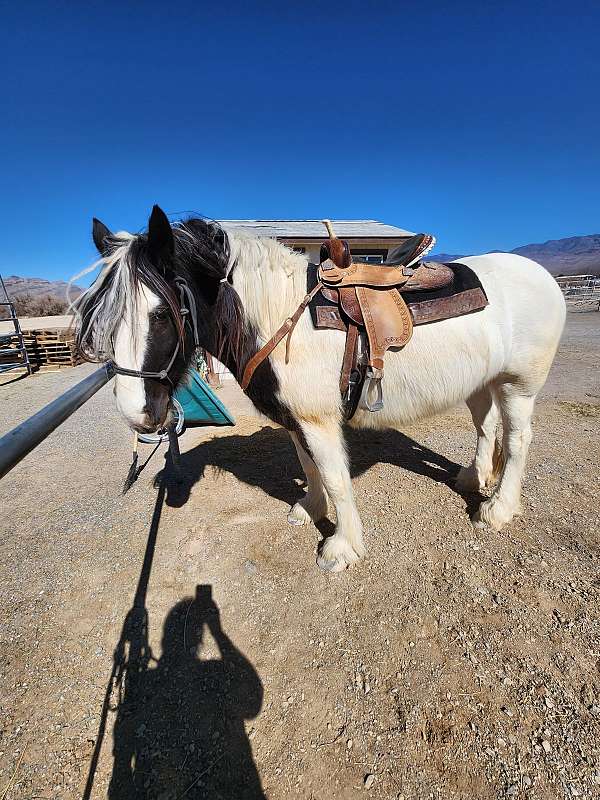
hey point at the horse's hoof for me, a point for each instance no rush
(335, 565)
(298, 515)
(298, 523)
(306, 511)
(493, 513)
(337, 554)
(467, 481)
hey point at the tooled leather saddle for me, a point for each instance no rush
(377, 306)
(371, 300)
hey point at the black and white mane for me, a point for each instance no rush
(200, 252)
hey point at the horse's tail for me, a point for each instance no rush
(498, 461)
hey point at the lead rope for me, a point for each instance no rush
(173, 455)
(133, 469)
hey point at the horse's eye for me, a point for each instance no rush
(162, 315)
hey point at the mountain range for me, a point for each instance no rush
(38, 287)
(576, 255)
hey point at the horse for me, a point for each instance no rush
(161, 293)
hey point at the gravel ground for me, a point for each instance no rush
(452, 663)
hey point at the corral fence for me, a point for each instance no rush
(582, 292)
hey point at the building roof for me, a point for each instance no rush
(315, 229)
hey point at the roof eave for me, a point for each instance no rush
(347, 236)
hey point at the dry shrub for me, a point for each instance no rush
(27, 305)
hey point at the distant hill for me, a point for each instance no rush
(445, 257)
(38, 287)
(36, 297)
(576, 255)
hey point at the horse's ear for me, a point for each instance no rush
(101, 236)
(160, 235)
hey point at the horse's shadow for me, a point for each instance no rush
(267, 459)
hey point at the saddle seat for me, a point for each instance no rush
(403, 270)
(410, 251)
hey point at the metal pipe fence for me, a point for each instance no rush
(582, 292)
(16, 444)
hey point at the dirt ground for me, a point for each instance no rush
(452, 663)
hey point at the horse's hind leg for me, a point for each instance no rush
(313, 505)
(326, 445)
(483, 470)
(516, 408)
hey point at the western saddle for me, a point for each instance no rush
(368, 301)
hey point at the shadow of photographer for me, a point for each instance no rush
(179, 729)
(179, 726)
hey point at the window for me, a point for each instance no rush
(369, 256)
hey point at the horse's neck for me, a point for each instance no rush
(270, 280)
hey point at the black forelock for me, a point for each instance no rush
(157, 277)
(201, 245)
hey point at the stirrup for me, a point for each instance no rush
(372, 381)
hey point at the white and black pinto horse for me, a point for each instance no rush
(244, 287)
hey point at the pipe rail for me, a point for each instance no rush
(16, 444)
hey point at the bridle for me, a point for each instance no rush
(189, 315)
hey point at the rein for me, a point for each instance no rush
(188, 312)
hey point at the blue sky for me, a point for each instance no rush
(477, 122)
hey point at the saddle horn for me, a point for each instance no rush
(334, 249)
(329, 226)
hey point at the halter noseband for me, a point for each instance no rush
(186, 311)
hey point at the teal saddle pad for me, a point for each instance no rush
(200, 404)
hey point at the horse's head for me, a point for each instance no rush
(151, 305)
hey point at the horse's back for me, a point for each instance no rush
(527, 304)
(516, 281)
(514, 337)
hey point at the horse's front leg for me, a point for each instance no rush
(326, 444)
(313, 505)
